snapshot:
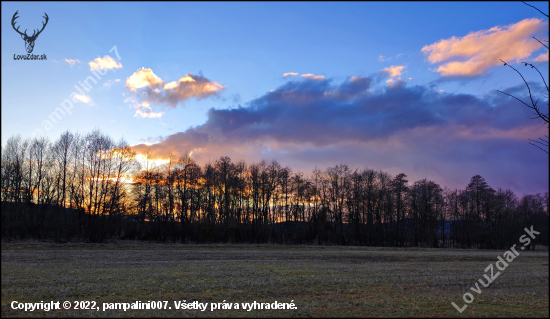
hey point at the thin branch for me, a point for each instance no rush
(533, 104)
(529, 106)
(541, 42)
(545, 151)
(542, 143)
(534, 67)
(528, 88)
(535, 8)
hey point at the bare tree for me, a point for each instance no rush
(62, 152)
(541, 143)
(78, 187)
(400, 187)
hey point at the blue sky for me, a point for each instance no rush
(242, 50)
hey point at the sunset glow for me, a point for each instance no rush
(275, 159)
(249, 86)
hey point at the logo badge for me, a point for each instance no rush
(29, 40)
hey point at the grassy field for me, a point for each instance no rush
(323, 281)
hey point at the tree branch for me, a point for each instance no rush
(535, 8)
(541, 42)
(534, 67)
(528, 88)
(545, 143)
(545, 151)
(533, 103)
(529, 106)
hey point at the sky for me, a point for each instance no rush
(402, 87)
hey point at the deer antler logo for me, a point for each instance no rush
(29, 41)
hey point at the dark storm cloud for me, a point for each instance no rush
(321, 113)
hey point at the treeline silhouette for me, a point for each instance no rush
(92, 189)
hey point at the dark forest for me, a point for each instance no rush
(90, 188)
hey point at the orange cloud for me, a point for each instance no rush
(143, 78)
(187, 87)
(394, 70)
(313, 76)
(290, 74)
(543, 57)
(71, 62)
(155, 91)
(106, 63)
(484, 49)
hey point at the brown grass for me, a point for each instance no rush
(323, 281)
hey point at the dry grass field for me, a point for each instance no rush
(323, 281)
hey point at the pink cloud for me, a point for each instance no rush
(394, 70)
(152, 90)
(143, 78)
(484, 49)
(71, 61)
(543, 57)
(106, 62)
(313, 76)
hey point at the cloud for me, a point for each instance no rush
(148, 112)
(152, 90)
(313, 76)
(189, 86)
(393, 71)
(426, 134)
(143, 109)
(71, 62)
(143, 78)
(110, 82)
(383, 58)
(478, 51)
(290, 74)
(543, 57)
(82, 98)
(106, 62)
